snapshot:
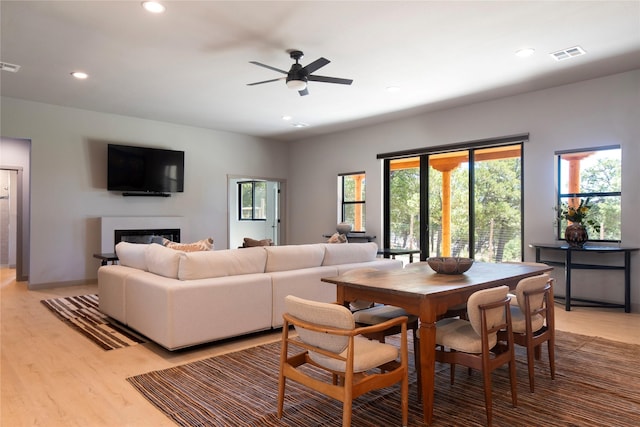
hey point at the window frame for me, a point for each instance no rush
(254, 207)
(423, 154)
(345, 204)
(583, 195)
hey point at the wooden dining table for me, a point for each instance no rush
(427, 294)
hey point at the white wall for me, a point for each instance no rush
(68, 180)
(598, 112)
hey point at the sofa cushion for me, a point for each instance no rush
(293, 257)
(228, 262)
(163, 261)
(349, 253)
(132, 255)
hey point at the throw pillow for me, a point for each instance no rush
(200, 245)
(249, 242)
(337, 238)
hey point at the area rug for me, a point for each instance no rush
(596, 384)
(83, 314)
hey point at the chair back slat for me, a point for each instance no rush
(531, 289)
(324, 314)
(495, 315)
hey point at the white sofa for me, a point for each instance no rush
(180, 299)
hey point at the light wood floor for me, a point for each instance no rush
(52, 376)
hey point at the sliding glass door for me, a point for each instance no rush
(462, 202)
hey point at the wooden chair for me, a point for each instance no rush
(367, 313)
(514, 298)
(474, 343)
(329, 339)
(533, 321)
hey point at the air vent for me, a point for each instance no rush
(571, 52)
(5, 66)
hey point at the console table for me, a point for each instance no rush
(355, 236)
(570, 265)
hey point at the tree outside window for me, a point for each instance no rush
(351, 187)
(252, 200)
(594, 174)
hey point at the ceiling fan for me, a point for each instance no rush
(298, 76)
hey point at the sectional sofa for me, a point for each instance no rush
(181, 299)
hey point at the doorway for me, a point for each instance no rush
(269, 223)
(15, 170)
(8, 217)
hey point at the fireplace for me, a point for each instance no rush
(146, 235)
(139, 229)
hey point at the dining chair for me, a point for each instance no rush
(474, 343)
(329, 340)
(514, 298)
(367, 313)
(533, 321)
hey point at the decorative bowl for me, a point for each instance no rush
(344, 227)
(450, 265)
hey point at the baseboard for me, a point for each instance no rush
(50, 285)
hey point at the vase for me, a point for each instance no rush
(576, 235)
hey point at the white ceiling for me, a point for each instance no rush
(191, 66)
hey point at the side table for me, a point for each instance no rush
(392, 252)
(106, 258)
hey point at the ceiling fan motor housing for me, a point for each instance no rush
(297, 72)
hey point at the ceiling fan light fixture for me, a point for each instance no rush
(297, 84)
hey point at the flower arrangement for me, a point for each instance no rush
(578, 214)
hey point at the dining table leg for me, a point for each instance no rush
(427, 366)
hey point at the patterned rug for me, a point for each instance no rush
(596, 385)
(82, 313)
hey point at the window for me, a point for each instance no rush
(456, 200)
(594, 174)
(351, 188)
(252, 196)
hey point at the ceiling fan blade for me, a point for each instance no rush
(330, 80)
(316, 65)
(304, 92)
(259, 64)
(266, 81)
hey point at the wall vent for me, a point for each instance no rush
(5, 66)
(571, 52)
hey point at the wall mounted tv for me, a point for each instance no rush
(144, 171)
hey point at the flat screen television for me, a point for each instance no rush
(144, 169)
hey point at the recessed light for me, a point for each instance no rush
(153, 6)
(299, 125)
(525, 52)
(286, 118)
(80, 75)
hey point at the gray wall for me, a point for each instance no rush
(597, 112)
(68, 181)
